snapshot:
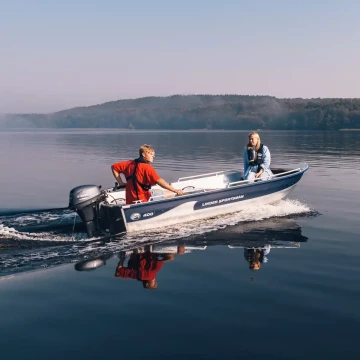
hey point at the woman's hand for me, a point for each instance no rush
(257, 175)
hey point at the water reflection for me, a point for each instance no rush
(92, 264)
(255, 257)
(142, 262)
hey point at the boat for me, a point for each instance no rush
(104, 212)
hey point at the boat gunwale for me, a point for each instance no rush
(226, 189)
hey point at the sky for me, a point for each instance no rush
(56, 55)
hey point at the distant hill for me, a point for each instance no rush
(201, 112)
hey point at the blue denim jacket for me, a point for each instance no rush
(265, 165)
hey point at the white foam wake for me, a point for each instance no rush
(11, 233)
(281, 209)
(30, 219)
(88, 248)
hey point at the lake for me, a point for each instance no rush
(65, 296)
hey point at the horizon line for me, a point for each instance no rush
(173, 95)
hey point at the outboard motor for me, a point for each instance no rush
(84, 200)
(92, 264)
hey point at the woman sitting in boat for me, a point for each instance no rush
(140, 176)
(256, 159)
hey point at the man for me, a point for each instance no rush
(140, 176)
(142, 266)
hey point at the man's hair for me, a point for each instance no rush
(145, 148)
(146, 285)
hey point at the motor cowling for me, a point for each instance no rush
(84, 200)
(90, 264)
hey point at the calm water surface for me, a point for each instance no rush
(65, 296)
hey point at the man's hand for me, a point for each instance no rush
(167, 186)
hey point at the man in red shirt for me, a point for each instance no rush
(140, 176)
(143, 267)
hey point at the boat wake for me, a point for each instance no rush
(35, 240)
(21, 229)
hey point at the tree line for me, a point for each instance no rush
(184, 112)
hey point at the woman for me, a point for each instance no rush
(256, 159)
(256, 257)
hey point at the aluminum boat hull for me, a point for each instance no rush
(209, 195)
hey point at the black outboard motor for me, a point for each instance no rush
(85, 200)
(92, 264)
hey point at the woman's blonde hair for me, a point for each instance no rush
(258, 143)
(145, 148)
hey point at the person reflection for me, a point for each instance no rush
(256, 257)
(143, 266)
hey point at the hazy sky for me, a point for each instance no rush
(61, 54)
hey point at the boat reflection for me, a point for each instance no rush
(142, 262)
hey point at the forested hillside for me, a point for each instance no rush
(201, 112)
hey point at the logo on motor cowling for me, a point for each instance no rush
(135, 216)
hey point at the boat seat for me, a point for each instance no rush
(194, 191)
(230, 178)
(166, 194)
